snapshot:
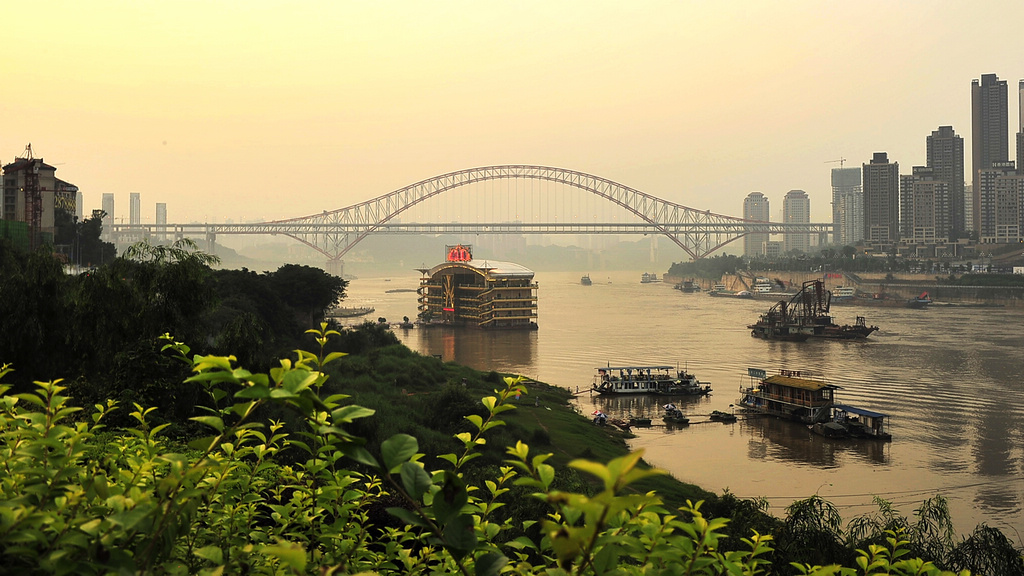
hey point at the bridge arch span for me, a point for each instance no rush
(686, 227)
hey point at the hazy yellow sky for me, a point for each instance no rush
(275, 109)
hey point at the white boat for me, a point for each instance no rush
(666, 380)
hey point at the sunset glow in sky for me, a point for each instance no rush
(275, 109)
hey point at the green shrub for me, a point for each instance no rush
(75, 499)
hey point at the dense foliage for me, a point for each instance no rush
(77, 500)
(97, 329)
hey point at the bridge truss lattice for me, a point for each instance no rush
(335, 232)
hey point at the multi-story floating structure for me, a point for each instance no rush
(464, 291)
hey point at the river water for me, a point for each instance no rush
(952, 380)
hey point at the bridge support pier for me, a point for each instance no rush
(335, 267)
(211, 243)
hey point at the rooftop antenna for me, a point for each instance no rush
(27, 155)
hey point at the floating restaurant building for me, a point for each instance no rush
(463, 291)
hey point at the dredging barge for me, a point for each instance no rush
(807, 315)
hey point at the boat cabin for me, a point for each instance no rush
(632, 379)
(861, 423)
(788, 395)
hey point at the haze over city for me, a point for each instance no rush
(266, 109)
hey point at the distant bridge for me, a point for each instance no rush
(333, 233)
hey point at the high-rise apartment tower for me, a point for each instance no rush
(847, 206)
(945, 152)
(881, 199)
(989, 131)
(755, 207)
(796, 209)
(135, 209)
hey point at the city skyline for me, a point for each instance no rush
(280, 111)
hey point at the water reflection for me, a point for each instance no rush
(500, 350)
(775, 439)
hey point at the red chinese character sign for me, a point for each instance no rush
(459, 253)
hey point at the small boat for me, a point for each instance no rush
(585, 280)
(640, 421)
(342, 312)
(674, 415)
(688, 286)
(719, 416)
(829, 429)
(920, 302)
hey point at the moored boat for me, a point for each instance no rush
(719, 416)
(665, 380)
(791, 396)
(674, 415)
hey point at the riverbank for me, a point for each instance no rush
(897, 287)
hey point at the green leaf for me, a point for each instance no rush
(359, 454)
(212, 553)
(334, 356)
(490, 564)
(448, 502)
(397, 450)
(407, 516)
(292, 555)
(599, 470)
(459, 536)
(212, 421)
(415, 479)
(350, 413)
(202, 443)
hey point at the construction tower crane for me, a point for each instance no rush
(841, 162)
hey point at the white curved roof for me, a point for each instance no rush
(494, 268)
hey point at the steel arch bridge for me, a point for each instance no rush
(333, 233)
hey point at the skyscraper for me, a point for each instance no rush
(796, 209)
(135, 209)
(989, 131)
(847, 206)
(755, 207)
(1020, 127)
(108, 213)
(161, 218)
(945, 151)
(881, 199)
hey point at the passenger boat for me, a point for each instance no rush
(666, 380)
(585, 280)
(649, 277)
(843, 294)
(790, 396)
